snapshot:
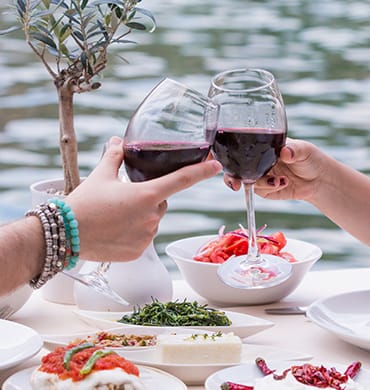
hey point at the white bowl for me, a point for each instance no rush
(202, 277)
(15, 300)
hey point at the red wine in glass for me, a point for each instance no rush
(248, 153)
(251, 130)
(149, 160)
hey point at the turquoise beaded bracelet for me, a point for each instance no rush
(72, 232)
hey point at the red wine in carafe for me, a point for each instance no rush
(148, 160)
(248, 153)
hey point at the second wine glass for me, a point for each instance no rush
(251, 131)
(173, 127)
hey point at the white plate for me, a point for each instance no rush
(346, 315)
(196, 374)
(54, 341)
(243, 325)
(153, 379)
(17, 343)
(247, 373)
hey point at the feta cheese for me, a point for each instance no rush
(199, 348)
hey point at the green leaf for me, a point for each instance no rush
(78, 35)
(21, 7)
(34, 4)
(88, 18)
(123, 41)
(60, 3)
(103, 30)
(118, 3)
(84, 60)
(136, 26)
(43, 30)
(44, 39)
(53, 51)
(65, 32)
(84, 4)
(146, 13)
(9, 30)
(64, 50)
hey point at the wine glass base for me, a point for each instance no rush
(270, 271)
(99, 284)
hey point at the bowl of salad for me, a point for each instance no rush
(199, 257)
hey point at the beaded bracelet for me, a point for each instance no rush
(72, 232)
(54, 233)
(61, 239)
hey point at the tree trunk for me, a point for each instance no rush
(68, 140)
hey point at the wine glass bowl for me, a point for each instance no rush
(251, 130)
(252, 124)
(172, 127)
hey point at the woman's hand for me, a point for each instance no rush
(295, 176)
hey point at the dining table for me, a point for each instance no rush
(294, 332)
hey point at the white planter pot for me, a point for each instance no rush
(60, 288)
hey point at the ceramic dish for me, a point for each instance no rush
(196, 272)
(152, 378)
(53, 341)
(243, 325)
(345, 315)
(247, 373)
(196, 374)
(17, 343)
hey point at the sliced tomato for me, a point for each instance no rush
(235, 243)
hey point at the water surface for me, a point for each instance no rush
(318, 50)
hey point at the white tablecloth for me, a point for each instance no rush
(294, 332)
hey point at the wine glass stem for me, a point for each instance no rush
(253, 252)
(103, 268)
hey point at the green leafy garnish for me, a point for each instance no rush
(176, 314)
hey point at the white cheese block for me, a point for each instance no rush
(199, 348)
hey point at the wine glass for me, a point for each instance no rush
(173, 127)
(251, 131)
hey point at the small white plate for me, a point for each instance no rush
(152, 378)
(196, 374)
(17, 343)
(54, 341)
(243, 325)
(246, 374)
(345, 315)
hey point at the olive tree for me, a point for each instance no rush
(71, 39)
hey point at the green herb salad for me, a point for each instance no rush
(176, 314)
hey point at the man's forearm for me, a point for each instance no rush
(22, 252)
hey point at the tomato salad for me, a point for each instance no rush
(235, 243)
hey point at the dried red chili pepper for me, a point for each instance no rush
(262, 365)
(235, 386)
(353, 369)
(279, 377)
(319, 376)
(308, 374)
